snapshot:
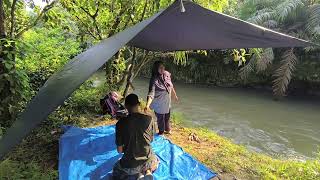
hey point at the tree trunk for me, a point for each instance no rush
(133, 71)
(4, 83)
(130, 74)
(2, 23)
(110, 70)
(123, 80)
(129, 84)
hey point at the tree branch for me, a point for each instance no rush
(35, 22)
(86, 11)
(97, 28)
(93, 17)
(144, 10)
(144, 61)
(130, 73)
(128, 20)
(116, 22)
(88, 30)
(97, 10)
(143, 13)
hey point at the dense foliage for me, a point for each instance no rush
(51, 47)
(15, 20)
(299, 18)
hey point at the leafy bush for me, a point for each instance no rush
(14, 86)
(87, 97)
(43, 51)
(39, 54)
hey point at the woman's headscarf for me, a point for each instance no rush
(163, 81)
(160, 81)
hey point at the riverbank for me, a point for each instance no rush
(37, 156)
(243, 115)
(235, 161)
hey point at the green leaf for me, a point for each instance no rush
(7, 3)
(8, 65)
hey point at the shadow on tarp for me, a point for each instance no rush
(90, 153)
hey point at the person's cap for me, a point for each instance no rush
(132, 100)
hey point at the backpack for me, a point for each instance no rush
(110, 105)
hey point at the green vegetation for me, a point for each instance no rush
(14, 170)
(299, 18)
(36, 42)
(233, 160)
(52, 47)
(229, 159)
(37, 156)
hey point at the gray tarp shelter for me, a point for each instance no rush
(169, 30)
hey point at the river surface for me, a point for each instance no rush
(286, 128)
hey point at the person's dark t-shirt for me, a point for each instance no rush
(135, 134)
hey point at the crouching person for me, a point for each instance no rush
(134, 134)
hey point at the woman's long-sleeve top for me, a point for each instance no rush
(160, 91)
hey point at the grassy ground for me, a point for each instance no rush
(231, 160)
(37, 156)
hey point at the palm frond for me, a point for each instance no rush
(250, 66)
(265, 59)
(316, 31)
(262, 3)
(286, 8)
(227, 59)
(283, 74)
(271, 24)
(313, 24)
(262, 16)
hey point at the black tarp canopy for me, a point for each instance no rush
(169, 30)
(201, 29)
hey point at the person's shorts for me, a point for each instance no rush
(124, 173)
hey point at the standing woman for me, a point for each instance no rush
(159, 97)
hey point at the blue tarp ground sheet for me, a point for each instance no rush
(90, 153)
